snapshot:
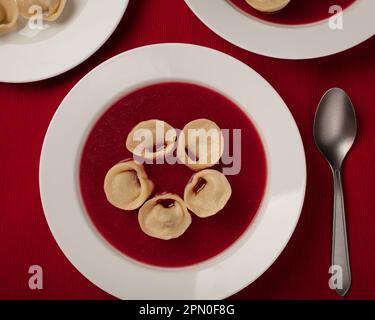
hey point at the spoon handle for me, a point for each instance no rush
(340, 253)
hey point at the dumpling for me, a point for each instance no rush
(52, 9)
(127, 186)
(160, 139)
(268, 5)
(207, 192)
(8, 15)
(200, 144)
(164, 217)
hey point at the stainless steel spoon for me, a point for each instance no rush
(335, 129)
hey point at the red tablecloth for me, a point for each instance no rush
(302, 269)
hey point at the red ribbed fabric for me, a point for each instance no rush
(302, 269)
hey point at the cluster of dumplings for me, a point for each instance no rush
(10, 10)
(167, 216)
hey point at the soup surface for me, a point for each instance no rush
(177, 104)
(297, 11)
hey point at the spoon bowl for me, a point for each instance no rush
(335, 126)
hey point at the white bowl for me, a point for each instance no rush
(222, 275)
(286, 41)
(29, 55)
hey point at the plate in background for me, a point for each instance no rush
(28, 55)
(286, 41)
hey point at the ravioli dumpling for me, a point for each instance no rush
(164, 217)
(152, 139)
(200, 144)
(8, 16)
(52, 9)
(127, 186)
(268, 5)
(207, 192)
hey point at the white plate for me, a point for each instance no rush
(244, 261)
(29, 55)
(282, 41)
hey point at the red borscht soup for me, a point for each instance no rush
(296, 12)
(177, 104)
